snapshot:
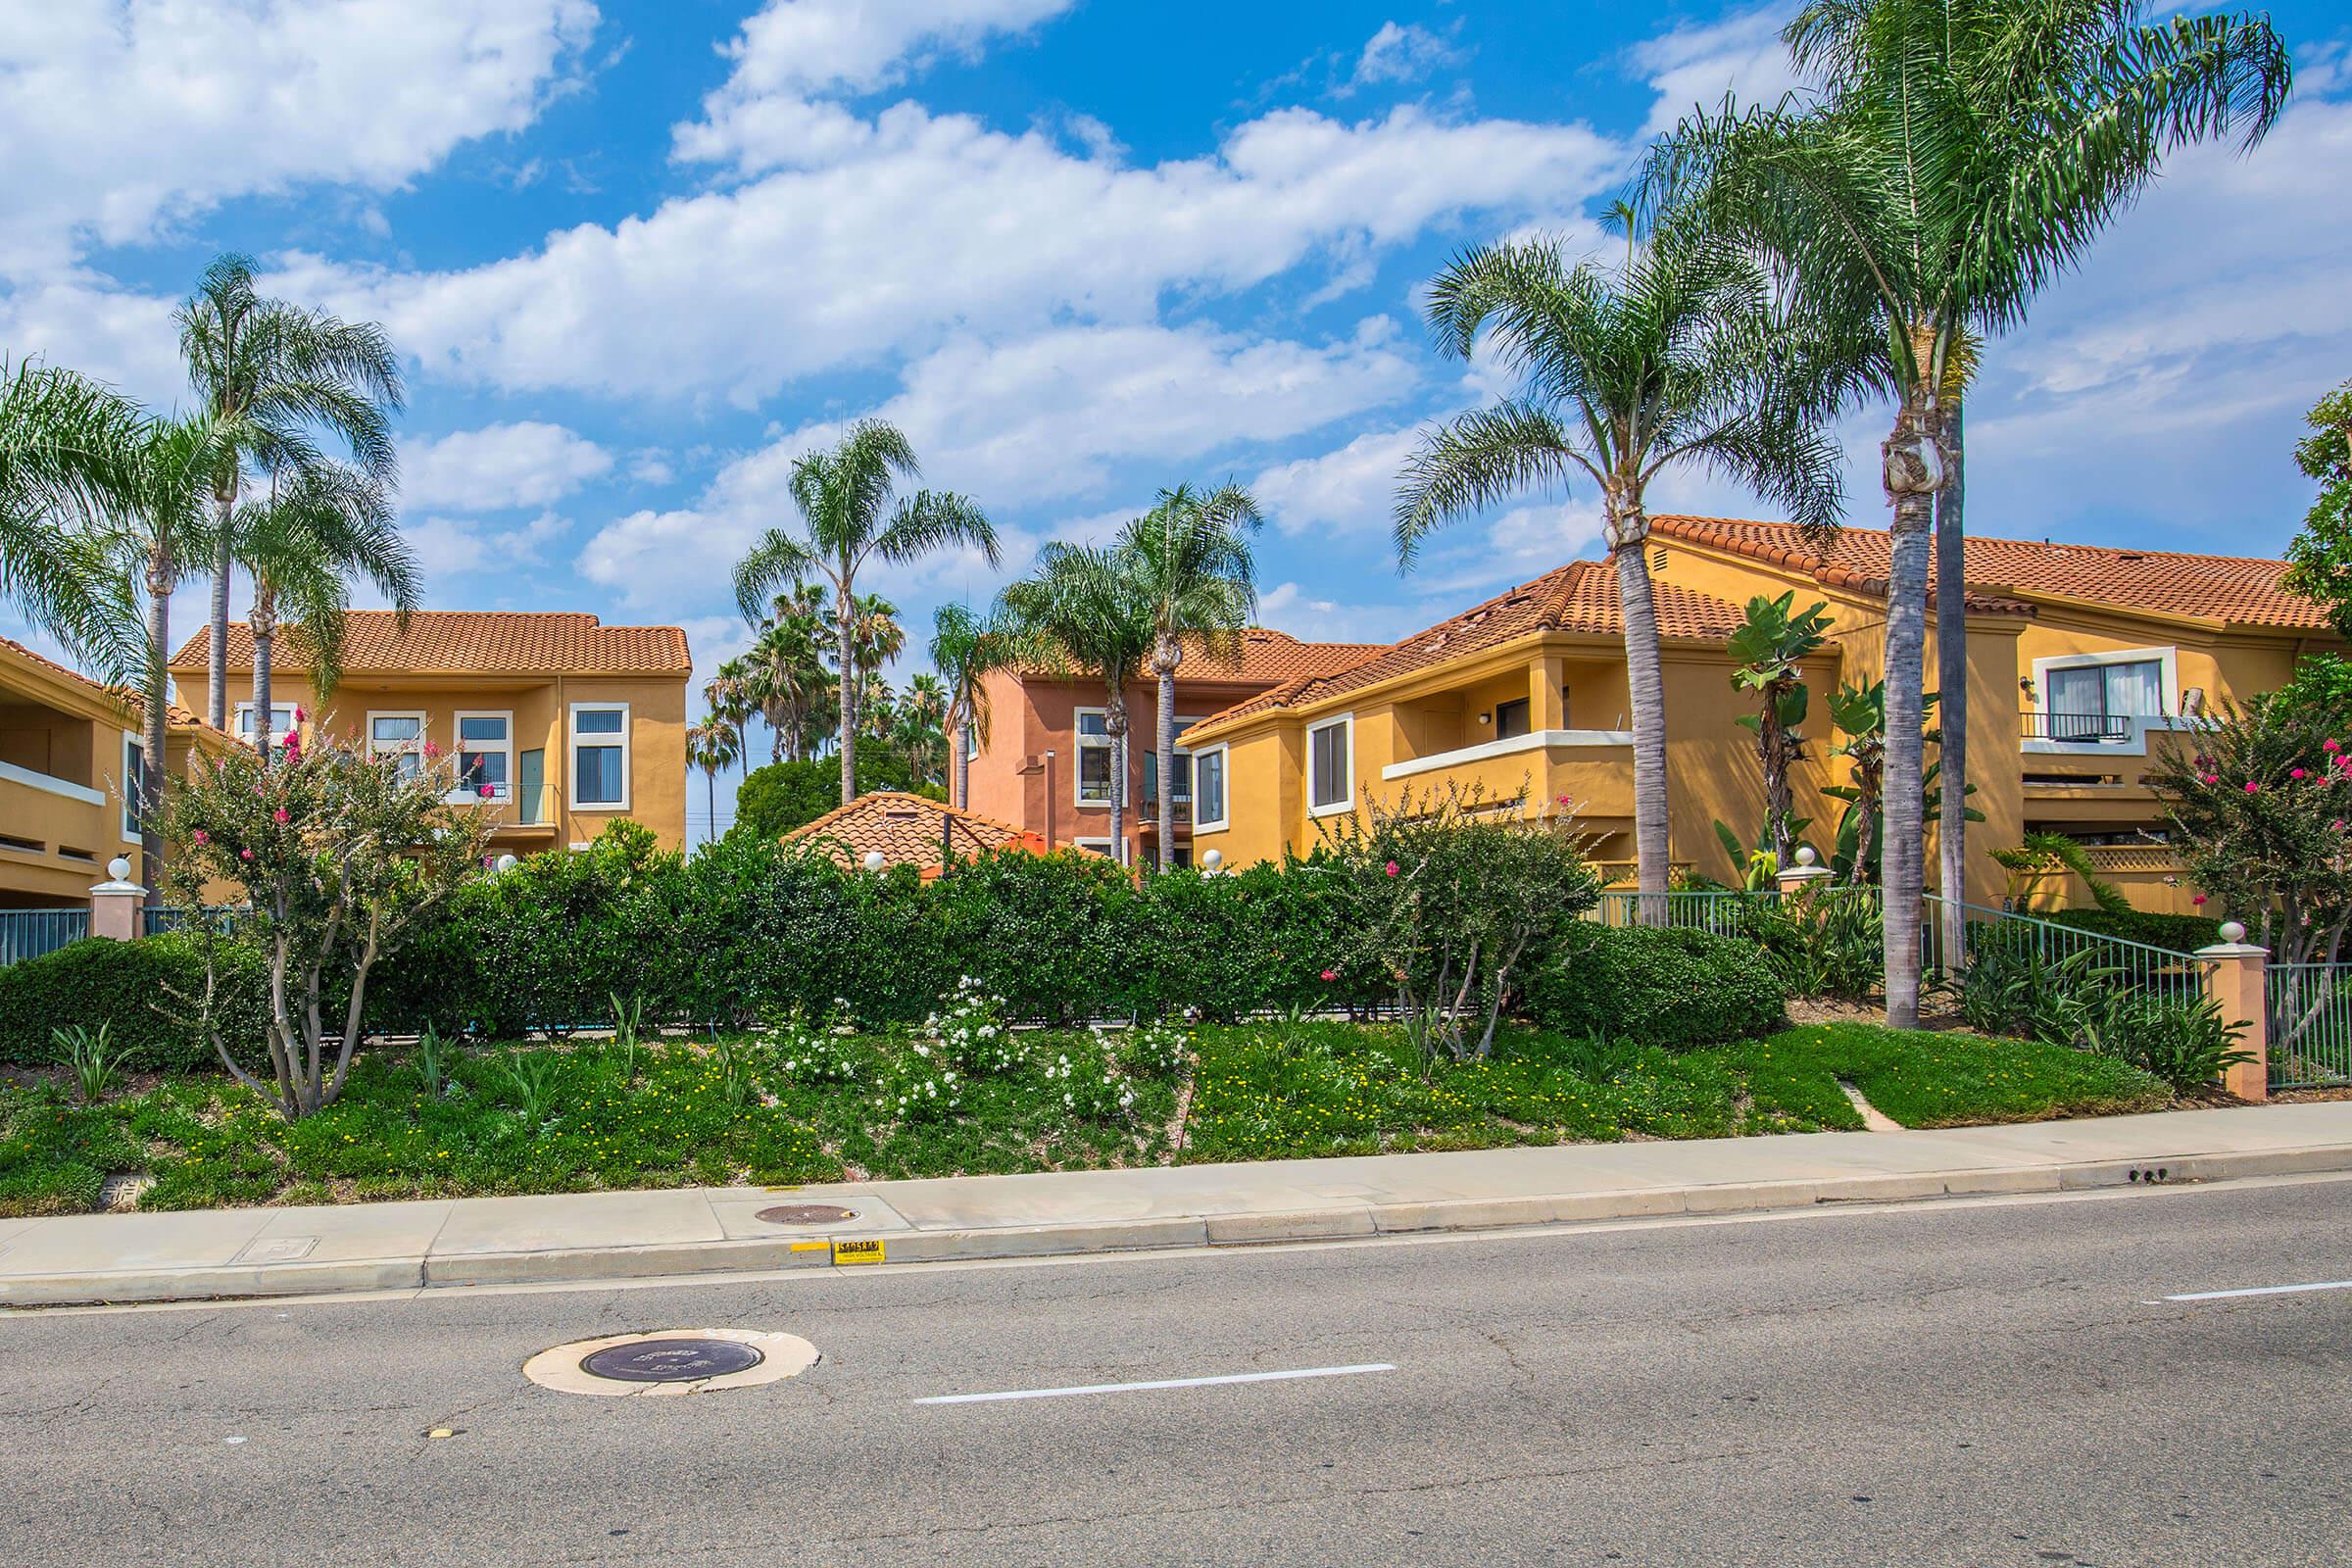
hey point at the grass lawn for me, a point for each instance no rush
(541, 1119)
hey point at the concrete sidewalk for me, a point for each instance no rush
(479, 1241)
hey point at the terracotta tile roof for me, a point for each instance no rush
(2004, 573)
(906, 829)
(132, 703)
(1269, 655)
(473, 641)
(1580, 597)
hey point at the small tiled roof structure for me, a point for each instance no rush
(909, 830)
(470, 642)
(130, 701)
(1579, 598)
(2009, 574)
(1266, 656)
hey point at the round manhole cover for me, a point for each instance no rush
(672, 1361)
(808, 1214)
(679, 1360)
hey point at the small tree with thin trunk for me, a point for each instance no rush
(844, 498)
(966, 648)
(1770, 648)
(340, 857)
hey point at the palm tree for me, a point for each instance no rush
(1084, 610)
(711, 745)
(279, 376)
(72, 459)
(727, 693)
(164, 528)
(1191, 557)
(1961, 155)
(966, 648)
(786, 678)
(1768, 653)
(1677, 355)
(844, 499)
(318, 528)
(918, 728)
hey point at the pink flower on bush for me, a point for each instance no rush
(1565, 800)
(2329, 745)
(432, 752)
(281, 816)
(2199, 899)
(2295, 773)
(297, 715)
(1330, 974)
(244, 855)
(1391, 869)
(2252, 788)
(2213, 778)
(202, 837)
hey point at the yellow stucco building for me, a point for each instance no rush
(2080, 659)
(71, 756)
(570, 724)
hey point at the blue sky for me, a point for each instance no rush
(641, 255)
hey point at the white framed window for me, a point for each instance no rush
(398, 734)
(1208, 790)
(485, 744)
(1099, 846)
(1090, 779)
(2085, 695)
(600, 756)
(281, 723)
(1331, 766)
(972, 740)
(134, 784)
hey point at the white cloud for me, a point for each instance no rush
(1399, 53)
(461, 556)
(698, 296)
(1694, 66)
(526, 463)
(651, 466)
(1036, 419)
(1288, 607)
(81, 321)
(794, 51)
(121, 117)
(1352, 490)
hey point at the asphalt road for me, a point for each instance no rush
(1968, 1384)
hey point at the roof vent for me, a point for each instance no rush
(2132, 555)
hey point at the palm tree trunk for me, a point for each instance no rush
(216, 664)
(153, 724)
(1779, 810)
(1169, 655)
(846, 647)
(1115, 720)
(264, 637)
(1951, 686)
(1910, 488)
(710, 804)
(964, 769)
(1646, 685)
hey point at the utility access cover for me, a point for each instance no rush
(679, 1360)
(808, 1214)
(672, 1361)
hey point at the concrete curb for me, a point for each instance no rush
(768, 1254)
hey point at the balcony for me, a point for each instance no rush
(1593, 768)
(2045, 734)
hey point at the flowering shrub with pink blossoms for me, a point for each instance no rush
(2259, 803)
(1453, 898)
(338, 858)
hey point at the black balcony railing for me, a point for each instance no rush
(2083, 729)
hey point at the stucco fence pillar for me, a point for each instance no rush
(119, 905)
(2235, 980)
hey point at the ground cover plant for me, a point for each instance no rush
(821, 1100)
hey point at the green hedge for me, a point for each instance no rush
(751, 930)
(134, 988)
(1680, 987)
(2181, 933)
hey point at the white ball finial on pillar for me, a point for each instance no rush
(119, 868)
(2233, 932)
(506, 863)
(875, 860)
(1211, 861)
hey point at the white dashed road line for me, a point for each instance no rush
(1163, 1383)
